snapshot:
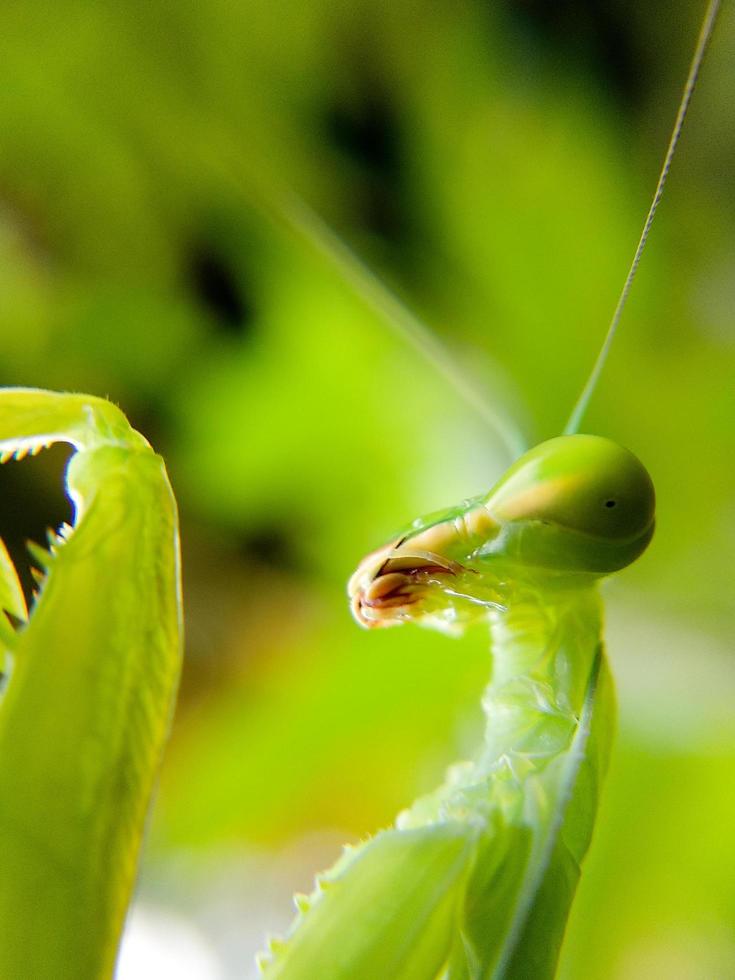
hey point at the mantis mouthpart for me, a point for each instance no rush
(92, 678)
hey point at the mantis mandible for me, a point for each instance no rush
(476, 879)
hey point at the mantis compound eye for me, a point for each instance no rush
(585, 503)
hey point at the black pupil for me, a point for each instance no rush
(609, 503)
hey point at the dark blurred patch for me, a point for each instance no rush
(604, 35)
(366, 130)
(220, 291)
(155, 419)
(272, 546)
(32, 499)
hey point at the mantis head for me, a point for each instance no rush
(574, 504)
(577, 504)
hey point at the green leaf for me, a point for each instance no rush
(87, 708)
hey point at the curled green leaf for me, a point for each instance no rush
(92, 681)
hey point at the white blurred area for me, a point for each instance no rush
(201, 917)
(675, 679)
(158, 944)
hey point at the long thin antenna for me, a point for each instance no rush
(395, 313)
(705, 34)
(282, 205)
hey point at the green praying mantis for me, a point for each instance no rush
(474, 880)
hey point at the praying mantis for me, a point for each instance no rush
(476, 879)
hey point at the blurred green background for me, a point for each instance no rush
(493, 163)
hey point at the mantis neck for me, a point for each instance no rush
(544, 646)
